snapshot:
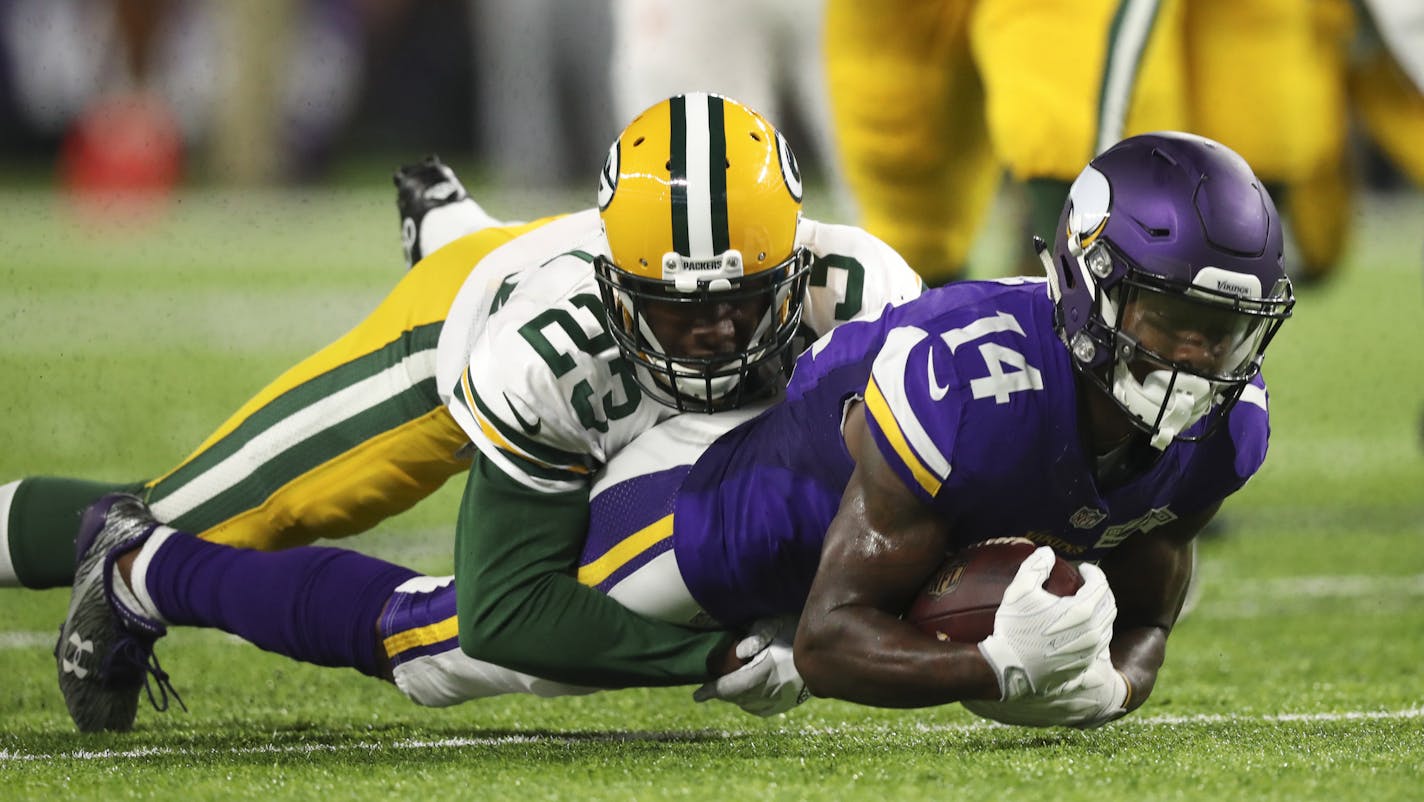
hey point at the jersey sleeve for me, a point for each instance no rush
(520, 605)
(913, 409)
(1250, 428)
(1227, 460)
(853, 275)
(516, 397)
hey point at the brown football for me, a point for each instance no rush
(959, 600)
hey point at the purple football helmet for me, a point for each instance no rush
(1168, 277)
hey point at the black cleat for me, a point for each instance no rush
(421, 187)
(105, 650)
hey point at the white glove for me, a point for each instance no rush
(769, 683)
(1090, 700)
(1040, 640)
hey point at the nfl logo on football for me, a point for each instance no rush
(946, 580)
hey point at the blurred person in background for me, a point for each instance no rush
(1376, 97)
(934, 99)
(969, 90)
(267, 91)
(542, 107)
(1292, 85)
(95, 77)
(141, 91)
(1267, 78)
(767, 54)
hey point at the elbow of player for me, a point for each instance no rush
(815, 664)
(481, 638)
(498, 635)
(474, 642)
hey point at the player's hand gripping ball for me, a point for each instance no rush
(959, 600)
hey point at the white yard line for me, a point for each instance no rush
(1326, 586)
(29, 640)
(7, 756)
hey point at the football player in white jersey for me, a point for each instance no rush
(686, 290)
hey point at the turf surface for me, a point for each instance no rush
(1296, 676)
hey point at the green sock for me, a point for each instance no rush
(37, 535)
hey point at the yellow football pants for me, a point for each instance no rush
(351, 435)
(933, 99)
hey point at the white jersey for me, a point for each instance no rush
(529, 370)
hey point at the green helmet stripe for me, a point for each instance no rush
(677, 165)
(717, 173)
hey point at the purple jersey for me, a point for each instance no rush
(971, 398)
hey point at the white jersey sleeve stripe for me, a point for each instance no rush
(485, 426)
(1254, 395)
(896, 414)
(878, 408)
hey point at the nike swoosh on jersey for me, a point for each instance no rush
(937, 390)
(530, 429)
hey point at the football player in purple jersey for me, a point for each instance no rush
(1113, 434)
(1104, 412)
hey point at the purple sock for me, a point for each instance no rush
(317, 605)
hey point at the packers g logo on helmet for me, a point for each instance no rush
(608, 179)
(700, 199)
(790, 171)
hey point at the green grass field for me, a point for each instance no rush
(1298, 675)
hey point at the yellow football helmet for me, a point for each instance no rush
(701, 202)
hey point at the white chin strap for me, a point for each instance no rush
(1191, 398)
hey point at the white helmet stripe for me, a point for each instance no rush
(699, 183)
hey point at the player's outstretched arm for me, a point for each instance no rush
(520, 606)
(880, 548)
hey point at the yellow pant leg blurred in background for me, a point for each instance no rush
(908, 108)
(1267, 79)
(934, 99)
(1391, 108)
(1065, 80)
